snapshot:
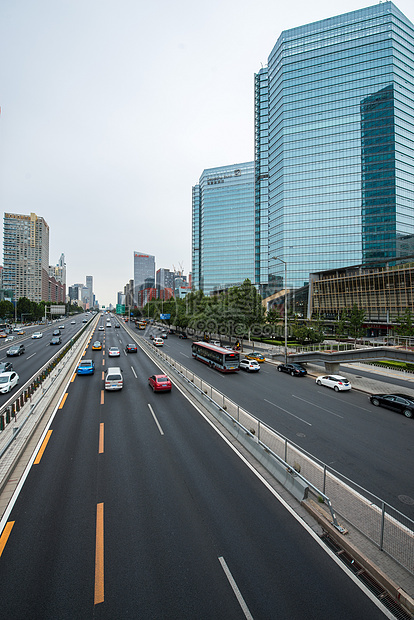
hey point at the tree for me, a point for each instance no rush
(340, 325)
(356, 318)
(405, 324)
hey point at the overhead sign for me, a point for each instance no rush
(57, 309)
(120, 308)
(165, 316)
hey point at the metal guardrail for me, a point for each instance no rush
(390, 530)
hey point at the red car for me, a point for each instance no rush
(160, 383)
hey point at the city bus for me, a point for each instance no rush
(142, 324)
(216, 357)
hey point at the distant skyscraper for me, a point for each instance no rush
(223, 220)
(340, 153)
(144, 271)
(89, 294)
(26, 256)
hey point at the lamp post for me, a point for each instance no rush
(286, 330)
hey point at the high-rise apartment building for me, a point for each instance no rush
(335, 134)
(223, 222)
(26, 256)
(144, 272)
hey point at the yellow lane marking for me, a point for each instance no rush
(84, 353)
(101, 438)
(103, 375)
(103, 361)
(5, 536)
(63, 401)
(102, 397)
(73, 378)
(42, 448)
(99, 556)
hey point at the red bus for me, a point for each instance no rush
(216, 357)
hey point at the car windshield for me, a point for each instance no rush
(4, 379)
(162, 379)
(85, 364)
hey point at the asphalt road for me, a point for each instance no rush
(371, 446)
(137, 508)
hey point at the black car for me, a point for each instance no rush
(16, 349)
(117, 326)
(6, 367)
(56, 332)
(296, 370)
(402, 403)
(182, 335)
(131, 348)
(56, 340)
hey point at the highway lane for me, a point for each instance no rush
(137, 508)
(37, 351)
(371, 446)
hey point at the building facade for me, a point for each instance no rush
(340, 150)
(26, 256)
(144, 272)
(223, 221)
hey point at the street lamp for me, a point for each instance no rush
(285, 283)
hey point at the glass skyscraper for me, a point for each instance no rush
(340, 152)
(223, 220)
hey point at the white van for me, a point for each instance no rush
(114, 379)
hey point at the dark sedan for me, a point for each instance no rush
(402, 403)
(296, 370)
(56, 340)
(131, 348)
(16, 349)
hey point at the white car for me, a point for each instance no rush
(37, 335)
(158, 342)
(336, 382)
(113, 352)
(250, 365)
(73, 322)
(7, 381)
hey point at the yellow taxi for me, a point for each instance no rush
(97, 346)
(255, 356)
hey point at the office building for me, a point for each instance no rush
(144, 272)
(223, 222)
(340, 154)
(26, 256)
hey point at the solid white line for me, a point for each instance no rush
(286, 411)
(156, 421)
(235, 589)
(317, 406)
(132, 368)
(30, 356)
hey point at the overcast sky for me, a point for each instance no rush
(110, 111)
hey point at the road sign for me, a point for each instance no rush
(120, 308)
(165, 316)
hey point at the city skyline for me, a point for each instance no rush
(104, 133)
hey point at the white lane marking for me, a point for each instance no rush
(32, 355)
(156, 421)
(317, 406)
(235, 589)
(288, 412)
(184, 354)
(132, 368)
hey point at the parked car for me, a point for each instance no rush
(158, 342)
(114, 379)
(97, 346)
(159, 383)
(255, 356)
(250, 365)
(8, 380)
(6, 367)
(86, 367)
(336, 382)
(56, 340)
(16, 349)
(131, 348)
(296, 370)
(402, 403)
(114, 352)
(37, 335)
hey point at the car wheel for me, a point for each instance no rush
(336, 388)
(408, 413)
(318, 382)
(375, 402)
(279, 369)
(292, 374)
